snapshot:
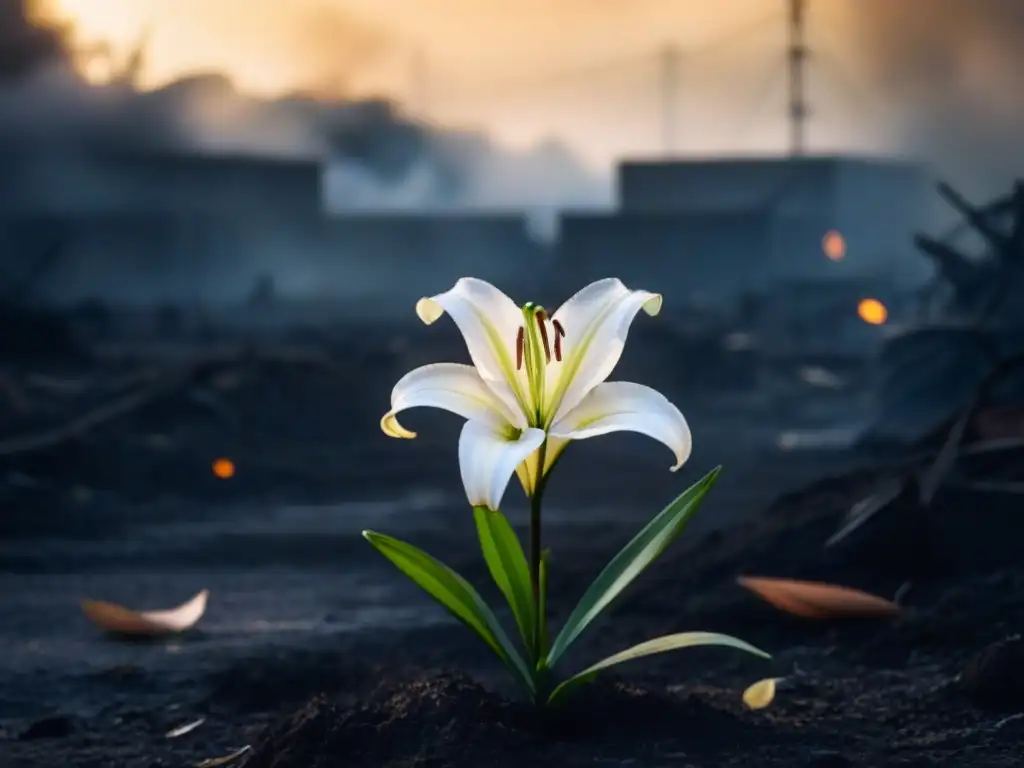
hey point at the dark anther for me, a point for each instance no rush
(559, 335)
(544, 335)
(520, 341)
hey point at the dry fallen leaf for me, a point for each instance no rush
(118, 620)
(181, 730)
(816, 600)
(216, 762)
(761, 694)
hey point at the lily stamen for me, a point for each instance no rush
(519, 419)
(559, 335)
(541, 317)
(526, 385)
(536, 357)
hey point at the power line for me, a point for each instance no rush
(760, 98)
(670, 67)
(733, 36)
(616, 65)
(843, 74)
(860, 94)
(552, 78)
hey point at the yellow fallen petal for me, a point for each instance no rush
(118, 620)
(760, 694)
(389, 426)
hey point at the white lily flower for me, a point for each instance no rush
(536, 383)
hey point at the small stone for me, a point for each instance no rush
(994, 678)
(53, 727)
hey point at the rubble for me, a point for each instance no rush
(930, 371)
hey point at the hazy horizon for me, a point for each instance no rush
(881, 76)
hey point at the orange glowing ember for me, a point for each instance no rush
(834, 245)
(872, 311)
(224, 468)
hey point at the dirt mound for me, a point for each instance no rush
(916, 690)
(265, 682)
(450, 720)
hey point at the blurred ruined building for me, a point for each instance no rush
(971, 323)
(193, 193)
(784, 243)
(150, 204)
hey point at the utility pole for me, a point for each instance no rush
(669, 93)
(797, 66)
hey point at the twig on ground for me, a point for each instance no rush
(85, 423)
(150, 385)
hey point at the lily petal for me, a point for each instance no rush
(450, 387)
(621, 406)
(489, 322)
(596, 321)
(530, 472)
(488, 457)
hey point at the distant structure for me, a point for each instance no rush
(129, 195)
(50, 181)
(731, 226)
(871, 204)
(138, 226)
(795, 236)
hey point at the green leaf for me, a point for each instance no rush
(507, 563)
(631, 561)
(651, 647)
(455, 594)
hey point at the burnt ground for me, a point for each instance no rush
(314, 653)
(941, 685)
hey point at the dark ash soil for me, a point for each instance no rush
(940, 686)
(291, 659)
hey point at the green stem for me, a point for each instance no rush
(535, 553)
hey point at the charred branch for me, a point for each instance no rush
(974, 216)
(982, 284)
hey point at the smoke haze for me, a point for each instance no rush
(930, 78)
(951, 72)
(379, 157)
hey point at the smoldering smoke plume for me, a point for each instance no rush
(951, 70)
(25, 47)
(386, 160)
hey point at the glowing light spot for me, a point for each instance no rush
(224, 469)
(834, 245)
(872, 311)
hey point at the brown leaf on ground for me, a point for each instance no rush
(817, 600)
